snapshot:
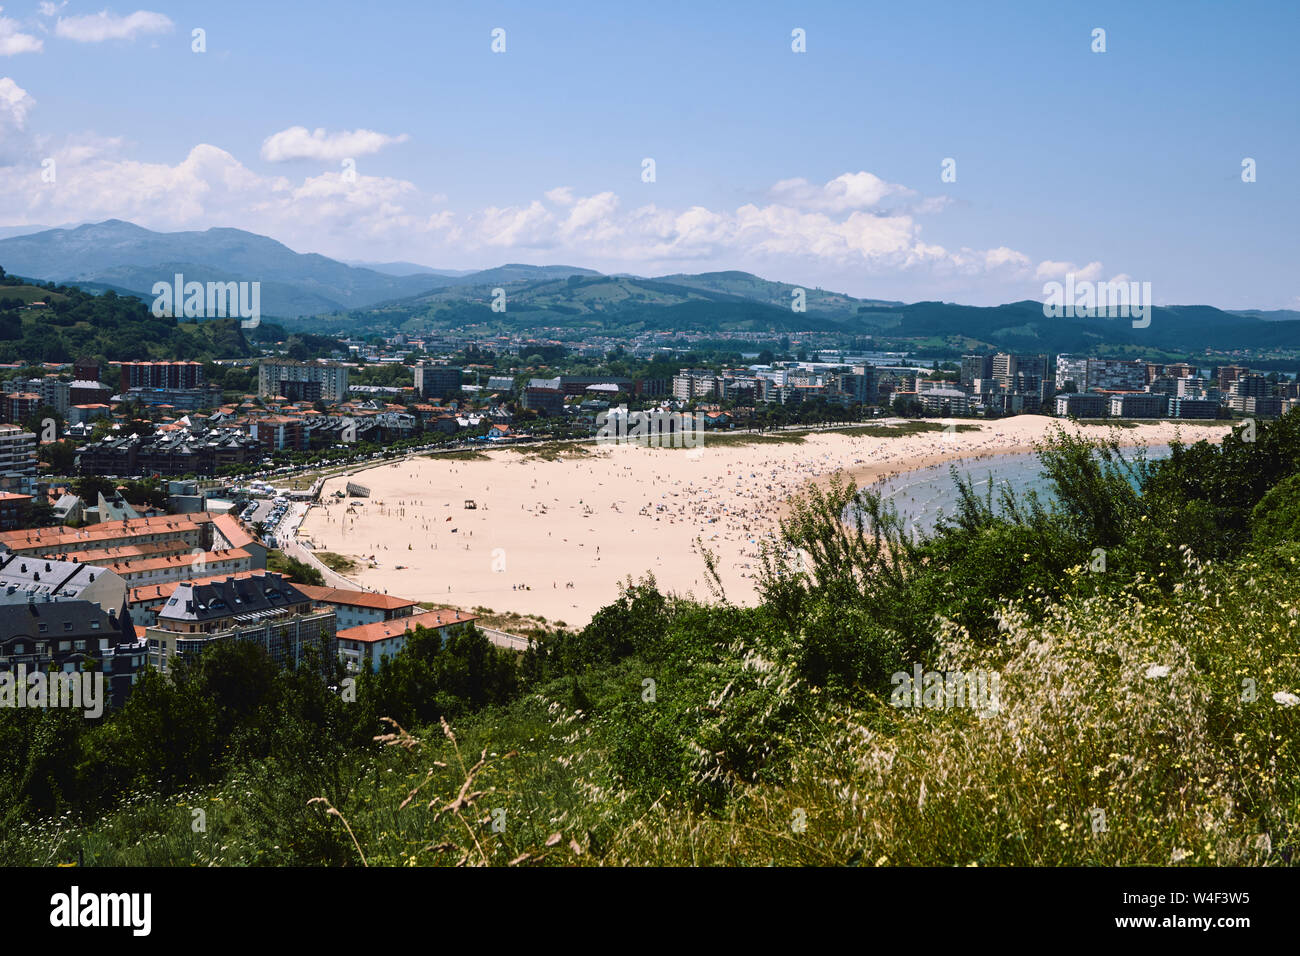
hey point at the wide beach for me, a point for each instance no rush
(554, 535)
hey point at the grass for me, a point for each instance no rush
(29, 294)
(469, 455)
(338, 563)
(552, 452)
(1124, 735)
(523, 625)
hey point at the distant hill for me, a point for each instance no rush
(125, 255)
(1021, 326)
(406, 269)
(1274, 315)
(517, 272)
(316, 293)
(779, 294)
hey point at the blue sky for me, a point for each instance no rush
(819, 168)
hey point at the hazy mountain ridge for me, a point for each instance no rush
(322, 293)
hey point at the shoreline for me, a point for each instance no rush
(591, 516)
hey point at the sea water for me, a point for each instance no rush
(922, 496)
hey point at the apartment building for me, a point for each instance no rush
(543, 398)
(1082, 405)
(265, 609)
(1202, 408)
(17, 459)
(48, 391)
(60, 541)
(303, 381)
(1092, 374)
(1138, 405)
(161, 375)
(437, 381)
(24, 578)
(63, 636)
(358, 608)
(976, 367)
(367, 645)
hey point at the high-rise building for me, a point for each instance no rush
(437, 381)
(1228, 375)
(1252, 386)
(310, 381)
(17, 459)
(1007, 365)
(1091, 374)
(169, 375)
(976, 366)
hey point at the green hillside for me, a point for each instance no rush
(75, 323)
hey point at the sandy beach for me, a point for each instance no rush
(554, 538)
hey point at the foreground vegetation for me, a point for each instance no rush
(1142, 624)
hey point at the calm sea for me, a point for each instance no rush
(922, 496)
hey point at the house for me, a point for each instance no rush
(356, 608)
(369, 644)
(69, 508)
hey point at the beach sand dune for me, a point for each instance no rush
(555, 537)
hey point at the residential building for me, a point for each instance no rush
(17, 459)
(547, 402)
(368, 644)
(24, 578)
(303, 381)
(357, 608)
(1201, 408)
(976, 367)
(73, 635)
(1082, 405)
(161, 375)
(437, 381)
(1138, 405)
(265, 609)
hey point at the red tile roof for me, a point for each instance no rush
(383, 602)
(384, 630)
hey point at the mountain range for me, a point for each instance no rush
(311, 290)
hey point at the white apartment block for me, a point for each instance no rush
(332, 378)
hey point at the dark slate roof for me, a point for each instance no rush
(259, 596)
(23, 577)
(22, 622)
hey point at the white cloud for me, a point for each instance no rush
(98, 27)
(811, 231)
(14, 41)
(48, 9)
(15, 102)
(530, 226)
(297, 142)
(861, 190)
(1049, 269)
(591, 219)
